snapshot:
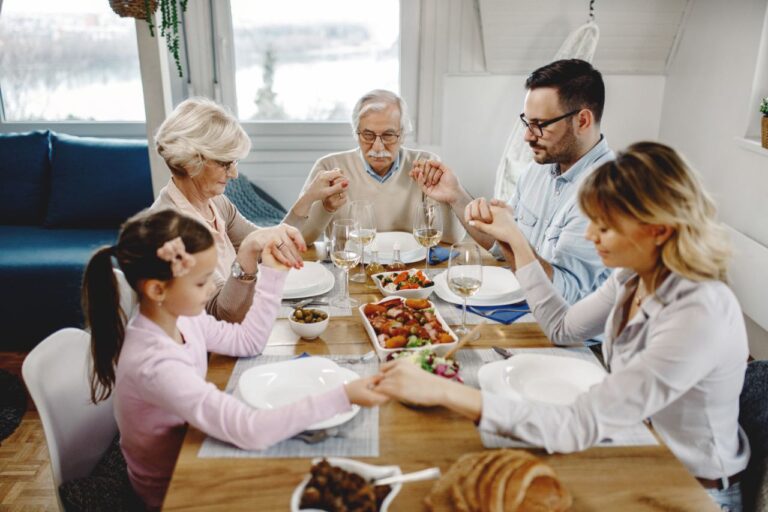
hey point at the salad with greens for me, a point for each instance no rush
(431, 362)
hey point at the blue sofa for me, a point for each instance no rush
(61, 197)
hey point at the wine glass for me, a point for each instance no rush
(427, 226)
(465, 275)
(345, 254)
(362, 213)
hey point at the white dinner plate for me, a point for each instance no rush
(410, 250)
(274, 385)
(311, 276)
(324, 287)
(495, 296)
(540, 377)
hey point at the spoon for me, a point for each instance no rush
(416, 476)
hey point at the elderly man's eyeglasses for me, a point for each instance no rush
(386, 137)
(537, 127)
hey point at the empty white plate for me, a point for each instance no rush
(543, 378)
(499, 288)
(324, 286)
(310, 276)
(274, 385)
(410, 250)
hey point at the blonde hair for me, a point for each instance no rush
(651, 183)
(198, 130)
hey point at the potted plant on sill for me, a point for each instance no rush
(764, 111)
(169, 19)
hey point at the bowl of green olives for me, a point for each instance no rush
(309, 323)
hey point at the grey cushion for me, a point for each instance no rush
(254, 203)
(753, 417)
(106, 488)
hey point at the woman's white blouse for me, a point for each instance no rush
(680, 361)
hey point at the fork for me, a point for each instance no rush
(316, 436)
(359, 359)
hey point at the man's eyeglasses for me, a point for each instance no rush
(386, 137)
(537, 127)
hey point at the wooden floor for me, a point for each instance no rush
(25, 474)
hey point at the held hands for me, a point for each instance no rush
(363, 391)
(436, 180)
(269, 256)
(289, 244)
(494, 218)
(406, 381)
(330, 187)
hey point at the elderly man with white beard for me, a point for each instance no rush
(377, 170)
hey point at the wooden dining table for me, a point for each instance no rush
(642, 478)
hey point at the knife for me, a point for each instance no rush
(506, 354)
(306, 302)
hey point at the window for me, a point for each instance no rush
(68, 61)
(304, 60)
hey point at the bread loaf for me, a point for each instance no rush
(499, 481)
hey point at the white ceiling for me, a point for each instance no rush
(636, 36)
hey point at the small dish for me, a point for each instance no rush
(312, 330)
(367, 471)
(413, 293)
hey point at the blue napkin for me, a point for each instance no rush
(303, 355)
(438, 254)
(505, 314)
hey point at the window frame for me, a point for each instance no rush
(118, 129)
(278, 134)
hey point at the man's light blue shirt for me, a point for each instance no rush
(381, 179)
(547, 212)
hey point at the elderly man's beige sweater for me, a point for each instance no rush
(393, 201)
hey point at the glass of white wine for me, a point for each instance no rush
(345, 253)
(427, 226)
(362, 213)
(465, 276)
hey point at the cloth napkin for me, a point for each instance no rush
(438, 254)
(503, 314)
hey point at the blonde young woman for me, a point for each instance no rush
(202, 143)
(675, 340)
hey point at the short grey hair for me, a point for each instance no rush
(197, 130)
(376, 101)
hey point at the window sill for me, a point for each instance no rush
(752, 145)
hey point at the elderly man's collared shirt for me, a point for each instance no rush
(547, 212)
(680, 361)
(392, 170)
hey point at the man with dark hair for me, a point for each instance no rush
(562, 113)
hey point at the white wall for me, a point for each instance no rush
(479, 112)
(706, 107)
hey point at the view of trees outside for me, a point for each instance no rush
(304, 60)
(66, 60)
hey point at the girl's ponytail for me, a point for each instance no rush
(105, 319)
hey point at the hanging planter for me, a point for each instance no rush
(169, 19)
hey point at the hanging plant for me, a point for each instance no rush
(169, 19)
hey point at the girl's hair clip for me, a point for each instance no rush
(175, 253)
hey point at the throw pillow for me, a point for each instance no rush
(24, 169)
(254, 203)
(106, 488)
(97, 183)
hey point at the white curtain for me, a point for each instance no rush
(580, 44)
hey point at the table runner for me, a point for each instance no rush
(359, 437)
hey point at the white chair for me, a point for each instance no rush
(128, 298)
(77, 432)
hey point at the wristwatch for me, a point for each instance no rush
(240, 274)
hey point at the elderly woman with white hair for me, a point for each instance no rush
(377, 170)
(201, 143)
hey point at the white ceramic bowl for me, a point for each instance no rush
(309, 331)
(367, 471)
(440, 348)
(416, 293)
